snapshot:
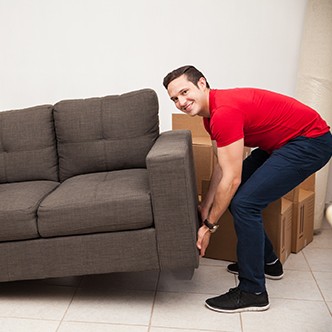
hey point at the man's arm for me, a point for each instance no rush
(207, 202)
(230, 160)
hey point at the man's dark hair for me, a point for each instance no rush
(193, 75)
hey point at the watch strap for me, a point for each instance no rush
(212, 227)
(208, 224)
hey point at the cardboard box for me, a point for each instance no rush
(303, 197)
(223, 242)
(308, 184)
(278, 225)
(246, 152)
(303, 220)
(204, 157)
(192, 123)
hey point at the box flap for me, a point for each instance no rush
(192, 123)
(199, 140)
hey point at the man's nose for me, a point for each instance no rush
(182, 101)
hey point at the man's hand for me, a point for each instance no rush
(203, 240)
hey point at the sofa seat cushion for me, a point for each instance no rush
(19, 202)
(97, 202)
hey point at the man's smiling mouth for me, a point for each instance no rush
(187, 108)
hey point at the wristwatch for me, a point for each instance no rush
(212, 227)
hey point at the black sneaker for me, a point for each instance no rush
(238, 301)
(272, 271)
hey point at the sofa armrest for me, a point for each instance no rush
(174, 198)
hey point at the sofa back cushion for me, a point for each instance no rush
(105, 134)
(27, 145)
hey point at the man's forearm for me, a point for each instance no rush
(226, 190)
(209, 197)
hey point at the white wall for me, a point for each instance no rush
(52, 50)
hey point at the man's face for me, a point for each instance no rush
(189, 98)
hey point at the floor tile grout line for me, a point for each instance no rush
(168, 327)
(155, 291)
(70, 302)
(320, 291)
(330, 310)
(105, 323)
(296, 299)
(154, 301)
(181, 329)
(236, 281)
(186, 329)
(30, 318)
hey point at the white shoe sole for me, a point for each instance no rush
(239, 309)
(268, 276)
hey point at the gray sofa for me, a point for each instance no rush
(91, 186)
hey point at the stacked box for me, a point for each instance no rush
(204, 157)
(222, 243)
(277, 223)
(303, 220)
(288, 221)
(303, 198)
(278, 226)
(308, 184)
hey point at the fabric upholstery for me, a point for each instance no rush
(78, 255)
(106, 194)
(98, 202)
(18, 208)
(174, 198)
(27, 145)
(104, 134)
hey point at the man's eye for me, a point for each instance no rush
(185, 92)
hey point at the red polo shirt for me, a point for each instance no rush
(264, 119)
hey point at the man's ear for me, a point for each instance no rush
(202, 83)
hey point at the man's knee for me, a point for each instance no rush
(241, 206)
(238, 205)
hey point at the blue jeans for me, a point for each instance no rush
(266, 178)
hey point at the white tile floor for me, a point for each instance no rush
(149, 302)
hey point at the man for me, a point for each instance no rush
(292, 141)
